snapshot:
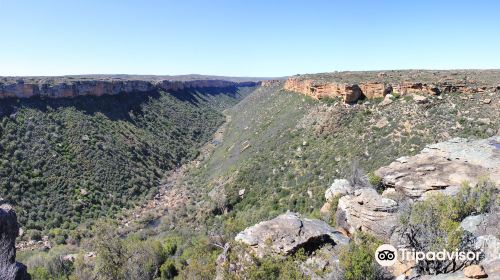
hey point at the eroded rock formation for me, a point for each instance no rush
(287, 233)
(284, 236)
(443, 167)
(368, 211)
(352, 86)
(9, 230)
(349, 92)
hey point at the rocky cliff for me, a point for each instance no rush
(9, 230)
(352, 86)
(71, 87)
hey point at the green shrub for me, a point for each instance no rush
(473, 200)
(434, 224)
(357, 259)
(271, 268)
(168, 270)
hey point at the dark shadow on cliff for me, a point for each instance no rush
(119, 107)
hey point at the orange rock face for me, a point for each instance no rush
(416, 88)
(349, 92)
(375, 90)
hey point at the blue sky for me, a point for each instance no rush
(245, 38)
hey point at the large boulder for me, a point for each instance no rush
(339, 188)
(288, 233)
(443, 167)
(9, 230)
(483, 224)
(368, 211)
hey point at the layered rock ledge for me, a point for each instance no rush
(72, 87)
(352, 86)
(443, 167)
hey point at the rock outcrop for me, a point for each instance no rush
(443, 167)
(9, 230)
(59, 88)
(352, 86)
(375, 89)
(368, 211)
(288, 233)
(284, 236)
(339, 188)
(350, 93)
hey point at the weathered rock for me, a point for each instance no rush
(444, 167)
(387, 100)
(9, 230)
(475, 271)
(326, 208)
(373, 90)
(420, 99)
(482, 224)
(339, 187)
(287, 233)
(490, 246)
(417, 88)
(349, 92)
(52, 88)
(368, 211)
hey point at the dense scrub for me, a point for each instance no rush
(284, 149)
(63, 161)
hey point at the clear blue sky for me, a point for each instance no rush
(245, 38)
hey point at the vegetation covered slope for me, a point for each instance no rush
(281, 151)
(63, 161)
(284, 149)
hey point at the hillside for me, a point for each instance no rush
(68, 160)
(224, 212)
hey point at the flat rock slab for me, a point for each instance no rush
(443, 167)
(287, 233)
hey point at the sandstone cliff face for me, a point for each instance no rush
(67, 88)
(349, 92)
(9, 229)
(352, 92)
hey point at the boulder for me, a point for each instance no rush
(339, 188)
(287, 233)
(475, 271)
(387, 100)
(420, 99)
(484, 224)
(368, 211)
(490, 246)
(9, 230)
(443, 167)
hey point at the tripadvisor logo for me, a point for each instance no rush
(387, 255)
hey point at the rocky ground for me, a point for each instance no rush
(441, 167)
